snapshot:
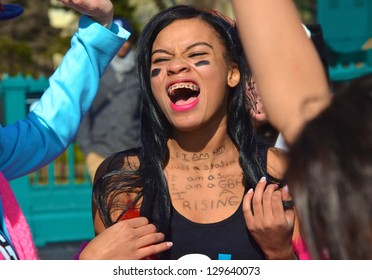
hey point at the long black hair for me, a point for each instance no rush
(156, 129)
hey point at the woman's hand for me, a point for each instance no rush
(102, 11)
(132, 239)
(267, 220)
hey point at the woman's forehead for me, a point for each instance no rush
(185, 32)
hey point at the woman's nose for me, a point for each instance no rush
(177, 65)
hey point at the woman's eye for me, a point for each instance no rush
(198, 54)
(159, 60)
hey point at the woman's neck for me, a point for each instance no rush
(201, 153)
(204, 178)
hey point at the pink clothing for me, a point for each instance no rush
(16, 223)
(300, 249)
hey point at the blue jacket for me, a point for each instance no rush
(45, 133)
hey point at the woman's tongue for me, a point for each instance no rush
(181, 102)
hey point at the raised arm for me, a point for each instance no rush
(44, 134)
(285, 64)
(101, 11)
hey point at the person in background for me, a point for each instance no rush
(329, 135)
(330, 174)
(259, 118)
(30, 143)
(113, 122)
(257, 109)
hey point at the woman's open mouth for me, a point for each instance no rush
(183, 96)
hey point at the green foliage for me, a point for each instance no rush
(307, 10)
(18, 57)
(26, 42)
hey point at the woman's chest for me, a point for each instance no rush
(228, 239)
(207, 193)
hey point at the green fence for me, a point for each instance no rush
(56, 200)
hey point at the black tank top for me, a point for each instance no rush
(225, 240)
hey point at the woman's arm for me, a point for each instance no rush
(131, 239)
(101, 11)
(31, 143)
(284, 62)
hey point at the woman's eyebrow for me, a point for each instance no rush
(160, 51)
(188, 48)
(199, 44)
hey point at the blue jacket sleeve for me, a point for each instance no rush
(45, 133)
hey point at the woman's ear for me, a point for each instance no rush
(233, 76)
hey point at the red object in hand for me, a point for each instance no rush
(135, 213)
(131, 213)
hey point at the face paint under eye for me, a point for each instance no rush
(202, 63)
(155, 72)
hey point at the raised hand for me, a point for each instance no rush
(102, 11)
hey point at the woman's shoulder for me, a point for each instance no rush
(127, 160)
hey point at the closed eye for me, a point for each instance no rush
(160, 60)
(198, 54)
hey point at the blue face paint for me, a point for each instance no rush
(155, 72)
(202, 63)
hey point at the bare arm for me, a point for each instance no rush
(285, 64)
(102, 11)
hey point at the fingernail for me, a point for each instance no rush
(169, 244)
(286, 189)
(250, 190)
(263, 179)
